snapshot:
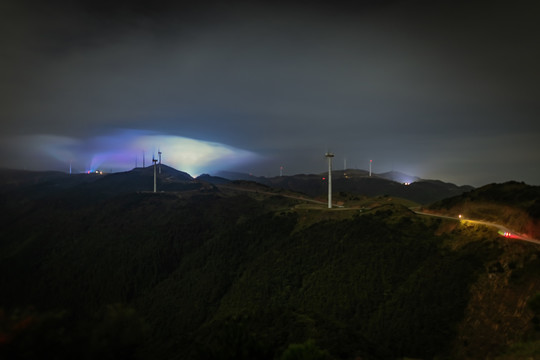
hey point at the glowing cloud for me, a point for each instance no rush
(123, 150)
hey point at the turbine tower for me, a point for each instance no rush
(159, 155)
(329, 156)
(143, 159)
(281, 171)
(370, 161)
(154, 161)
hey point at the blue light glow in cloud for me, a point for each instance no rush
(124, 149)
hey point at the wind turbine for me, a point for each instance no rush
(159, 155)
(329, 156)
(155, 177)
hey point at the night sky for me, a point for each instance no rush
(445, 90)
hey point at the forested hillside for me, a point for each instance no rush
(204, 274)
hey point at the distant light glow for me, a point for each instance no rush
(124, 149)
(403, 178)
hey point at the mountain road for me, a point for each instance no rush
(503, 230)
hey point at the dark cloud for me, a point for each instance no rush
(447, 89)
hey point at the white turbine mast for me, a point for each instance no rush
(159, 155)
(329, 156)
(155, 177)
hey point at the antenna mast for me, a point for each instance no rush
(329, 156)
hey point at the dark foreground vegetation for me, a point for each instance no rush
(209, 276)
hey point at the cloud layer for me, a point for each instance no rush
(124, 150)
(446, 90)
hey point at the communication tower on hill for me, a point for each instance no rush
(329, 156)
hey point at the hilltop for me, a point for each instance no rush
(90, 187)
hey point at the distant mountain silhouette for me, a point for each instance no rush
(142, 179)
(233, 175)
(216, 180)
(359, 182)
(92, 186)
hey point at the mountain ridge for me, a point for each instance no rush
(315, 185)
(359, 182)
